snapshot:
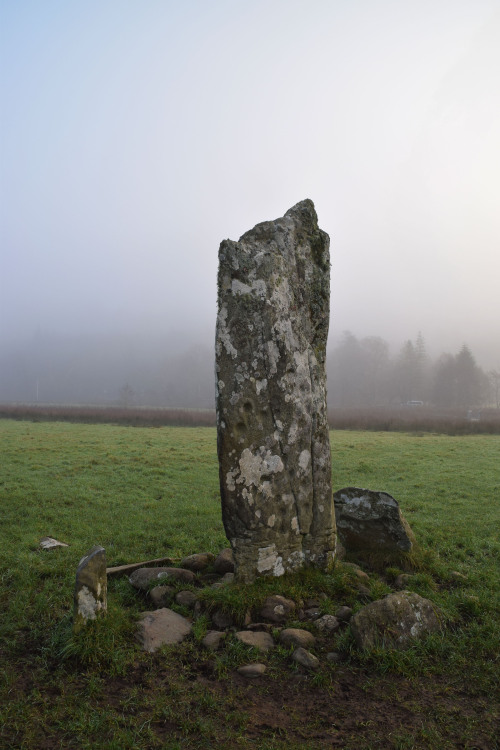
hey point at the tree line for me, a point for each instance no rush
(362, 372)
(156, 371)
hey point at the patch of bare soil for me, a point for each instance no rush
(355, 710)
(345, 707)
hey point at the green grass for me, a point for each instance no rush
(150, 492)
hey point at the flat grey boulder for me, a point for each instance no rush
(142, 578)
(259, 640)
(161, 628)
(369, 521)
(395, 621)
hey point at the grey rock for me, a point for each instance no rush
(213, 640)
(334, 656)
(252, 671)
(297, 637)
(118, 570)
(394, 621)
(47, 542)
(222, 620)
(160, 628)
(305, 658)
(277, 608)
(371, 522)
(272, 429)
(197, 562)
(90, 598)
(142, 578)
(161, 595)
(224, 562)
(263, 627)
(186, 599)
(262, 641)
(327, 624)
(312, 614)
(227, 578)
(344, 613)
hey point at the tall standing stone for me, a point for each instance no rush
(272, 430)
(90, 587)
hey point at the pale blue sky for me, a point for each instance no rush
(135, 136)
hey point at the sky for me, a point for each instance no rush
(135, 136)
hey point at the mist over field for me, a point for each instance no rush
(136, 137)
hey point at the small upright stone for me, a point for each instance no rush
(272, 429)
(90, 588)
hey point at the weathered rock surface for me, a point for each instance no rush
(198, 561)
(276, 608)
(160, 628)
(141, 578)
(161, 595)
(272, 430)
(305, 658)
(260, 640)
(369, 521)
(394, 621)
(90, 588)
(224, 562)
(344, 613)
(213, 639)
(222, 619)
(186, 599)
(118, 570)
(252, 670)
(327, 624)
(47, 542)
(297, 637)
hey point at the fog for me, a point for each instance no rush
(136, 136)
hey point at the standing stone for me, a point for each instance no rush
(91, 587)
(272, 429)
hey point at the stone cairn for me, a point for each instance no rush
(272, 429)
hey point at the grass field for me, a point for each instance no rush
(148, 492)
